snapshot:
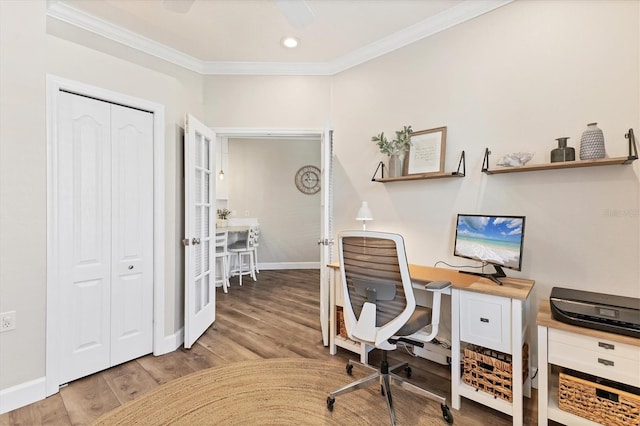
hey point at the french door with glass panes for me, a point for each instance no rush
(199, 190)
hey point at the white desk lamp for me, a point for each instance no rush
(364, 214)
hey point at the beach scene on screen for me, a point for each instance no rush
(491, 239)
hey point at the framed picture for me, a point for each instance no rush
(426, 153)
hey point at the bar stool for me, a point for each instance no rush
(222, 260)
(256, 238)
(241, 252)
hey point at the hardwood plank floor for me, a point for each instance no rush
(275, 317)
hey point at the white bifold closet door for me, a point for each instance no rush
(105, 234)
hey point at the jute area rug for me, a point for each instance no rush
(271, 392)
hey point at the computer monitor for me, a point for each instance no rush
(495, 240)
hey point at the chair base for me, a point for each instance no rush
(385, 376)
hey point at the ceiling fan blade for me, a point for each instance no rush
(297, 12)
(178, 6)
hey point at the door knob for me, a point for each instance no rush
(130, 266)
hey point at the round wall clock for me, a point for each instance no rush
(308, 179)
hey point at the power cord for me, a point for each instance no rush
(460, 266)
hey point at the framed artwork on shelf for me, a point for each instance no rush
(426, 152)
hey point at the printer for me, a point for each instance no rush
(614, 314)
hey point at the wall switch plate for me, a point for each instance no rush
(7, 321)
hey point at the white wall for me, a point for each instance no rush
(261, 176)
(27, 54)
(267, 102)
(512, 80)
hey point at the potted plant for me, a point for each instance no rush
(395, 149)
(223, 215)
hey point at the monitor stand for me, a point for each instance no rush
(499, 273)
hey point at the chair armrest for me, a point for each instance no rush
(437, 285)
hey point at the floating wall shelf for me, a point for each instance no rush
(457, 173)
(633, 155)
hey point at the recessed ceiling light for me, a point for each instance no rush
(289, 42)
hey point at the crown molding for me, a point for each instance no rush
(458, 14)
(65, 13)
(451, 17)
(266, 68)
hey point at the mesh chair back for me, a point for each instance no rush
(373, 262)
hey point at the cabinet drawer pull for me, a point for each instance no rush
(605, 362)
(484, 319)
(606, 345)
(607, 395)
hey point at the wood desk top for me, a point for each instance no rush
(513, 288)
(545, 318)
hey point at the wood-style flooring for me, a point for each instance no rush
(275, 317)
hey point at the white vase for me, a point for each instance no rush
(592, 143)
(395, 165)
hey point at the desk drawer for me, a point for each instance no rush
(485, 320)
(582, 353)
(600, 346)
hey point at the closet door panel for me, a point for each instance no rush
(84, 203)
(132, 236)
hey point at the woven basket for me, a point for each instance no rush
(490, 371)
(603, 404)
(342, 329)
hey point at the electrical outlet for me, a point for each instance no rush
(7, 321)
(246, 213)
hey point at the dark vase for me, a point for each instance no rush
(563, 152)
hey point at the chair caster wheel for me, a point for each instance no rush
(330, 401)
(349, 369)
(446, 414)
(407, 371)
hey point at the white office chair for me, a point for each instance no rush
(222, 259)
(380, 309)
(242, 257)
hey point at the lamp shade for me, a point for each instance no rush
(365, 212)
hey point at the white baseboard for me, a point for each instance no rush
(289, 265)
(22, 394)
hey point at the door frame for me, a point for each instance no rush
(325, 193)
(56, 84)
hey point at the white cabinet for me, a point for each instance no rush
(598, 353)
(494, 317)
